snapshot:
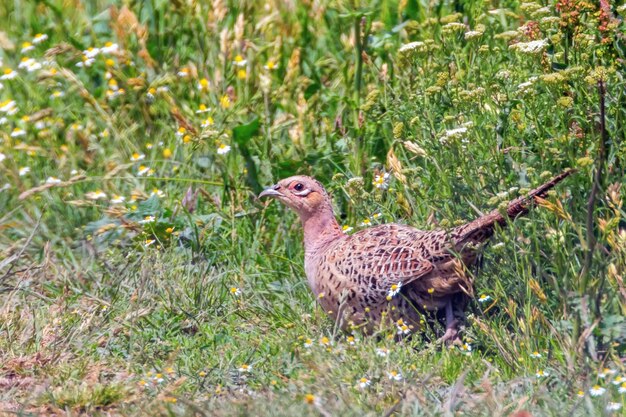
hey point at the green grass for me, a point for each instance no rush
(105, 313)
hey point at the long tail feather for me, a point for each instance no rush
(482, 228)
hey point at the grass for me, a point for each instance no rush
(189, 296)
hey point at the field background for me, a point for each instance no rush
(192, 301)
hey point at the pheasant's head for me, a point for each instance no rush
(305, 195)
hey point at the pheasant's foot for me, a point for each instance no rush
(451, 336)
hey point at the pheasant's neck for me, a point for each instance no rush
(320, 229)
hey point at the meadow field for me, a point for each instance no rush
(140, 275)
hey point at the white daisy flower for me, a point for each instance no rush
(27, 47)
(40, 37)
(223, 149)
(137, 157)
(91, 52)
(239, 61)
(613, 406)
(109, 48)
(394, 290)
(23, 171)
(17, 132)
(53, 180)
(597, 391)
(147, 219)
(395, 375)
(364, 382)
(245, 368)
(382, 352)
(8, 74)
(117, 199)
(96, 195)
(484, 298)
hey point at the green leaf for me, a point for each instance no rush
(243, 132)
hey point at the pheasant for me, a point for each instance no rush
(390, 273)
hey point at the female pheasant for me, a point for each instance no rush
(390, 272)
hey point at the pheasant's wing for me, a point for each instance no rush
(370, 262)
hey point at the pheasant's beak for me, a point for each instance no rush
(271, 192)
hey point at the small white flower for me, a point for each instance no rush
(23, 171)
(381, 181)
(34, 66)
(618, 380)
(613, 406)
(245, 368)
(2, 157)
(207, 122)
(364, 382)
(622, 388)
(143, 170)
(239, 61)
(137, 157)
(183, 73)
(91, 52)
(109, 48)
(466, 349)
(531, 47)
(235, 291)
(223, 149)
(17, 132)
(606, 371)
(525, 86)
(40, 37)
(57, 94)
(382, 352)
(395, 375)
(535, 355)
(346, 228)
(147, 219)
(147, 243)
(597, 391)
(157, 192)
(27, 46)
(541, 373)
(203, 109)
(8, 74)
(458, 133)
(404, 329)
(366, 222)
(9, 107)
(5, 187)
(412, 46)
(53, 180)
(473, 34)
(484, 298)
(394, 290)
(117, 199)
(96, 195)
(86, 62)
(308, 343)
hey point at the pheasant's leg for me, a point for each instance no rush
(452, 332)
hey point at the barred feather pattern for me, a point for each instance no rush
(352, 275)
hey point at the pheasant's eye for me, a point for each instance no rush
(299, 187)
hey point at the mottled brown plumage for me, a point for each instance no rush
(390, 271)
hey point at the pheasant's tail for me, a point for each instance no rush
(482, 228)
